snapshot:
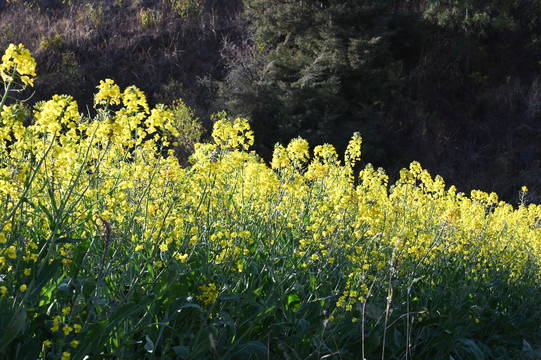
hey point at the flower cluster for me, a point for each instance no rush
(209, 294)
(91, 202)
(18, 61)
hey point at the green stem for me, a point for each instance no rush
(8, 88)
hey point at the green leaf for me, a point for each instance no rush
(223, 318)
(244, 350)
(293, 302)
(15, 328)
(42, 279)
(472, 348)
(64, 285)
(313, 282)
(78, 256)
(190, 305)
(182, 351)
(200, 350)
(92, 341)
(47, 213)
(29, 350)
(149, 345)
(526, 347)
(68, 240)
(127, 310)
(53, 201)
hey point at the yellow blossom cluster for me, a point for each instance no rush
(209, 293)
(18, 60)
(108, 184)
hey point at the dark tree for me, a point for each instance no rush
(318, 69)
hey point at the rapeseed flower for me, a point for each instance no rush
(67, 329)
(231, 209)
(17, 59)
(109, 93)
(209, 295)
(56, 324)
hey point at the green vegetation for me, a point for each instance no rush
(109, 248)
(162, 218)
(452, 84)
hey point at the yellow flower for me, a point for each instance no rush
(232, 134)
(326, 153)
(109, 93)
(56, 322)
(47, 343)
(163, 247)
(77, 328)
(23, 288)
(74, 343)
(19, 59)
(280, 160)
(134, 100)
(12, 252)
(183, 258)
(67, 329)
(297, 151)
(353, 151)
(209, 293)
(65, 356)
(3, 290)
(66, 310)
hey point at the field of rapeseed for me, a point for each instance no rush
(110, 249)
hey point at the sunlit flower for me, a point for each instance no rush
(209, 293)
(17, 58)
(67, 329)
(109, 93)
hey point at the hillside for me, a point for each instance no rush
(455, 87)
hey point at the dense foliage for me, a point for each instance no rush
(326, 69)
(453, 83)
(109, 248)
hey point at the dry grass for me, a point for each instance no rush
(132, 41)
